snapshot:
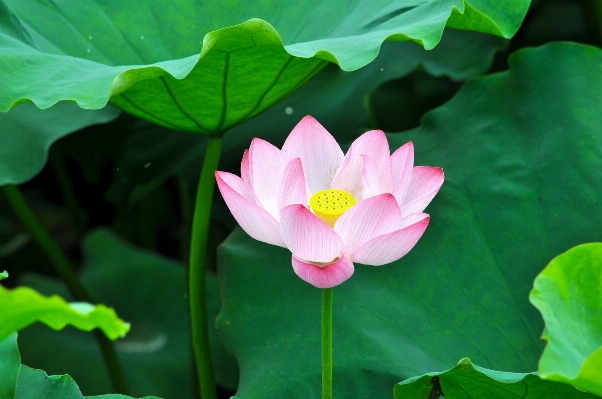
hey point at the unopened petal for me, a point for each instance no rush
(327, 276)
(370, 218)
(267, 165)
(370, 179)
(307, 236)
(253, 219)
(319, 152)
(292, 185)
(402, 162)
(389, 247)
(426, 182)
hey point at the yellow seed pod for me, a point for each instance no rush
(329, 205)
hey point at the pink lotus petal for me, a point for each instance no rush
(374, 144)
(245, 170)
(370, 178)
(267, 164)
(319, 152)
(292, 186)
(307, 236)
(238, 185)
(328, 276)
(370, 218)
(426, 182)
(256, 221)
(411, 219)
(402, 162)
(389, 247)
(348, 176)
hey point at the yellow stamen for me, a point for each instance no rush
(329, 205)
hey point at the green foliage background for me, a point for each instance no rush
(499, 100)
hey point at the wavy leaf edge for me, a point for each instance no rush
(580, 377)
(79, 314)
(73, 390)
(122, 81)
(466, 363)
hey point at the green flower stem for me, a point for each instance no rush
(64, 269)
(327, 343)
(196, 276)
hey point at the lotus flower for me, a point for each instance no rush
(328, 208)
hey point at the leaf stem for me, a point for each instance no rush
(327, 295)
(198, 259)
(64, 269)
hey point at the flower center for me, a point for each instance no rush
(329, 205)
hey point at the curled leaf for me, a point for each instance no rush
(23, 306)
(469, 381)
(568, 293)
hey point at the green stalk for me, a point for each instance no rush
(64, 269)
(327, 343)
(196, 276)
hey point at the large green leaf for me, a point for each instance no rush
(469, 381)
(27, 132)
(21, 382)
(521, 152)
(151, 292)
(9, 366)
(568, 293)
(336, 98)
(34, 383)
(478, 14)
(199, 66)
(23, 306)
